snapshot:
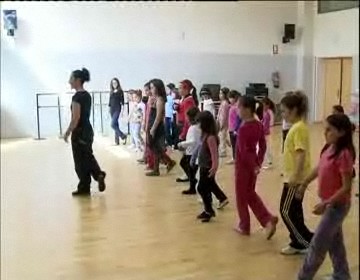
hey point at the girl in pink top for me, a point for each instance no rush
(247, 166)
(268, 122)
(234, 121)
(222, 120)
(334, 173)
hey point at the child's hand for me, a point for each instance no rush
(319, 208)
(299, 194)
(212, 171)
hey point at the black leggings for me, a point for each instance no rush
(232, 135)
(284, 134)
(207, 185)
(189, 170)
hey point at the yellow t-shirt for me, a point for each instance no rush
(298, 138)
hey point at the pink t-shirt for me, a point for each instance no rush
(233, 116)
(330, 173)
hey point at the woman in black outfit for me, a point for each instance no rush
(116, 102)
(82, 136)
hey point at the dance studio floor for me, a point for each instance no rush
(140, 228)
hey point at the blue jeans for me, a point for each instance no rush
(169, 131)
(136, 138)
(115, 126)
(328, 237)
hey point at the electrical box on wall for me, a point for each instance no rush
(10, 22)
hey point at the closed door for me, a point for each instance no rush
(332, 86)
(346, 81)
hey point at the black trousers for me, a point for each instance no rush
(169, 131)
(293, 216)
(176, 133)
(189, 170)
(284, 134)
(232, 136)
(85, 163)
(207, 185)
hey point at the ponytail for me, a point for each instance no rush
(194, 96)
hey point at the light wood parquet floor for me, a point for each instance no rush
(140, 228)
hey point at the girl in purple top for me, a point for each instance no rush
(266, 121)
(234, 121)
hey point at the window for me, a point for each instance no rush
(333, 6)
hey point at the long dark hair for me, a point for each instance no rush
(83, 75)
(296, 100)
(268, 102)
(342, 123)
(112, 89)
(208, 124)
(160, 88)
(192, 90)
(225, 91)
(248, 102)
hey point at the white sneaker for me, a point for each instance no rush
(230, 162)
(289, 251)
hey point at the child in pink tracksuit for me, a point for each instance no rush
(247, 165)
(268, 122)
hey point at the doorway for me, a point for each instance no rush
(334, 85)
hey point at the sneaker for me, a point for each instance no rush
(189, 192)
(222, 204)
(182, 180)
(268, 166)
(230, 162)
(290, 251)
(271, 227)
(81, 193)
(153, 174)
(205, 217)
(101, 182)
(241, 231)
(141, 161)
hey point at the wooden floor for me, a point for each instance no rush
(141, 228)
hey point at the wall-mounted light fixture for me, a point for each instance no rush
(10, 21)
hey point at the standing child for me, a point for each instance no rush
(267, 122)
(188, 146)
(334, 173)
(136, 120)
(208, 103)
(222, 120)
(248, 164)
(234, 121)
(285, 130)
(296, 168)
(208, 158)
(169, 115)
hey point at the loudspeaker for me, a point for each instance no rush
(289, 31)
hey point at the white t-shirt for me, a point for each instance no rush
(285, 125)
(193, 137)
(208, 105)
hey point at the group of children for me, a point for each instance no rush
(203, 138)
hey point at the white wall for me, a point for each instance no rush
(336, 34)
(220, 42)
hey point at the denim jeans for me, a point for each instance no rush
(136, 138)
(169, 131)
(328, 237)
(115, 126)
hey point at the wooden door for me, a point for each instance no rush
(332, 84)
(346, 81)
